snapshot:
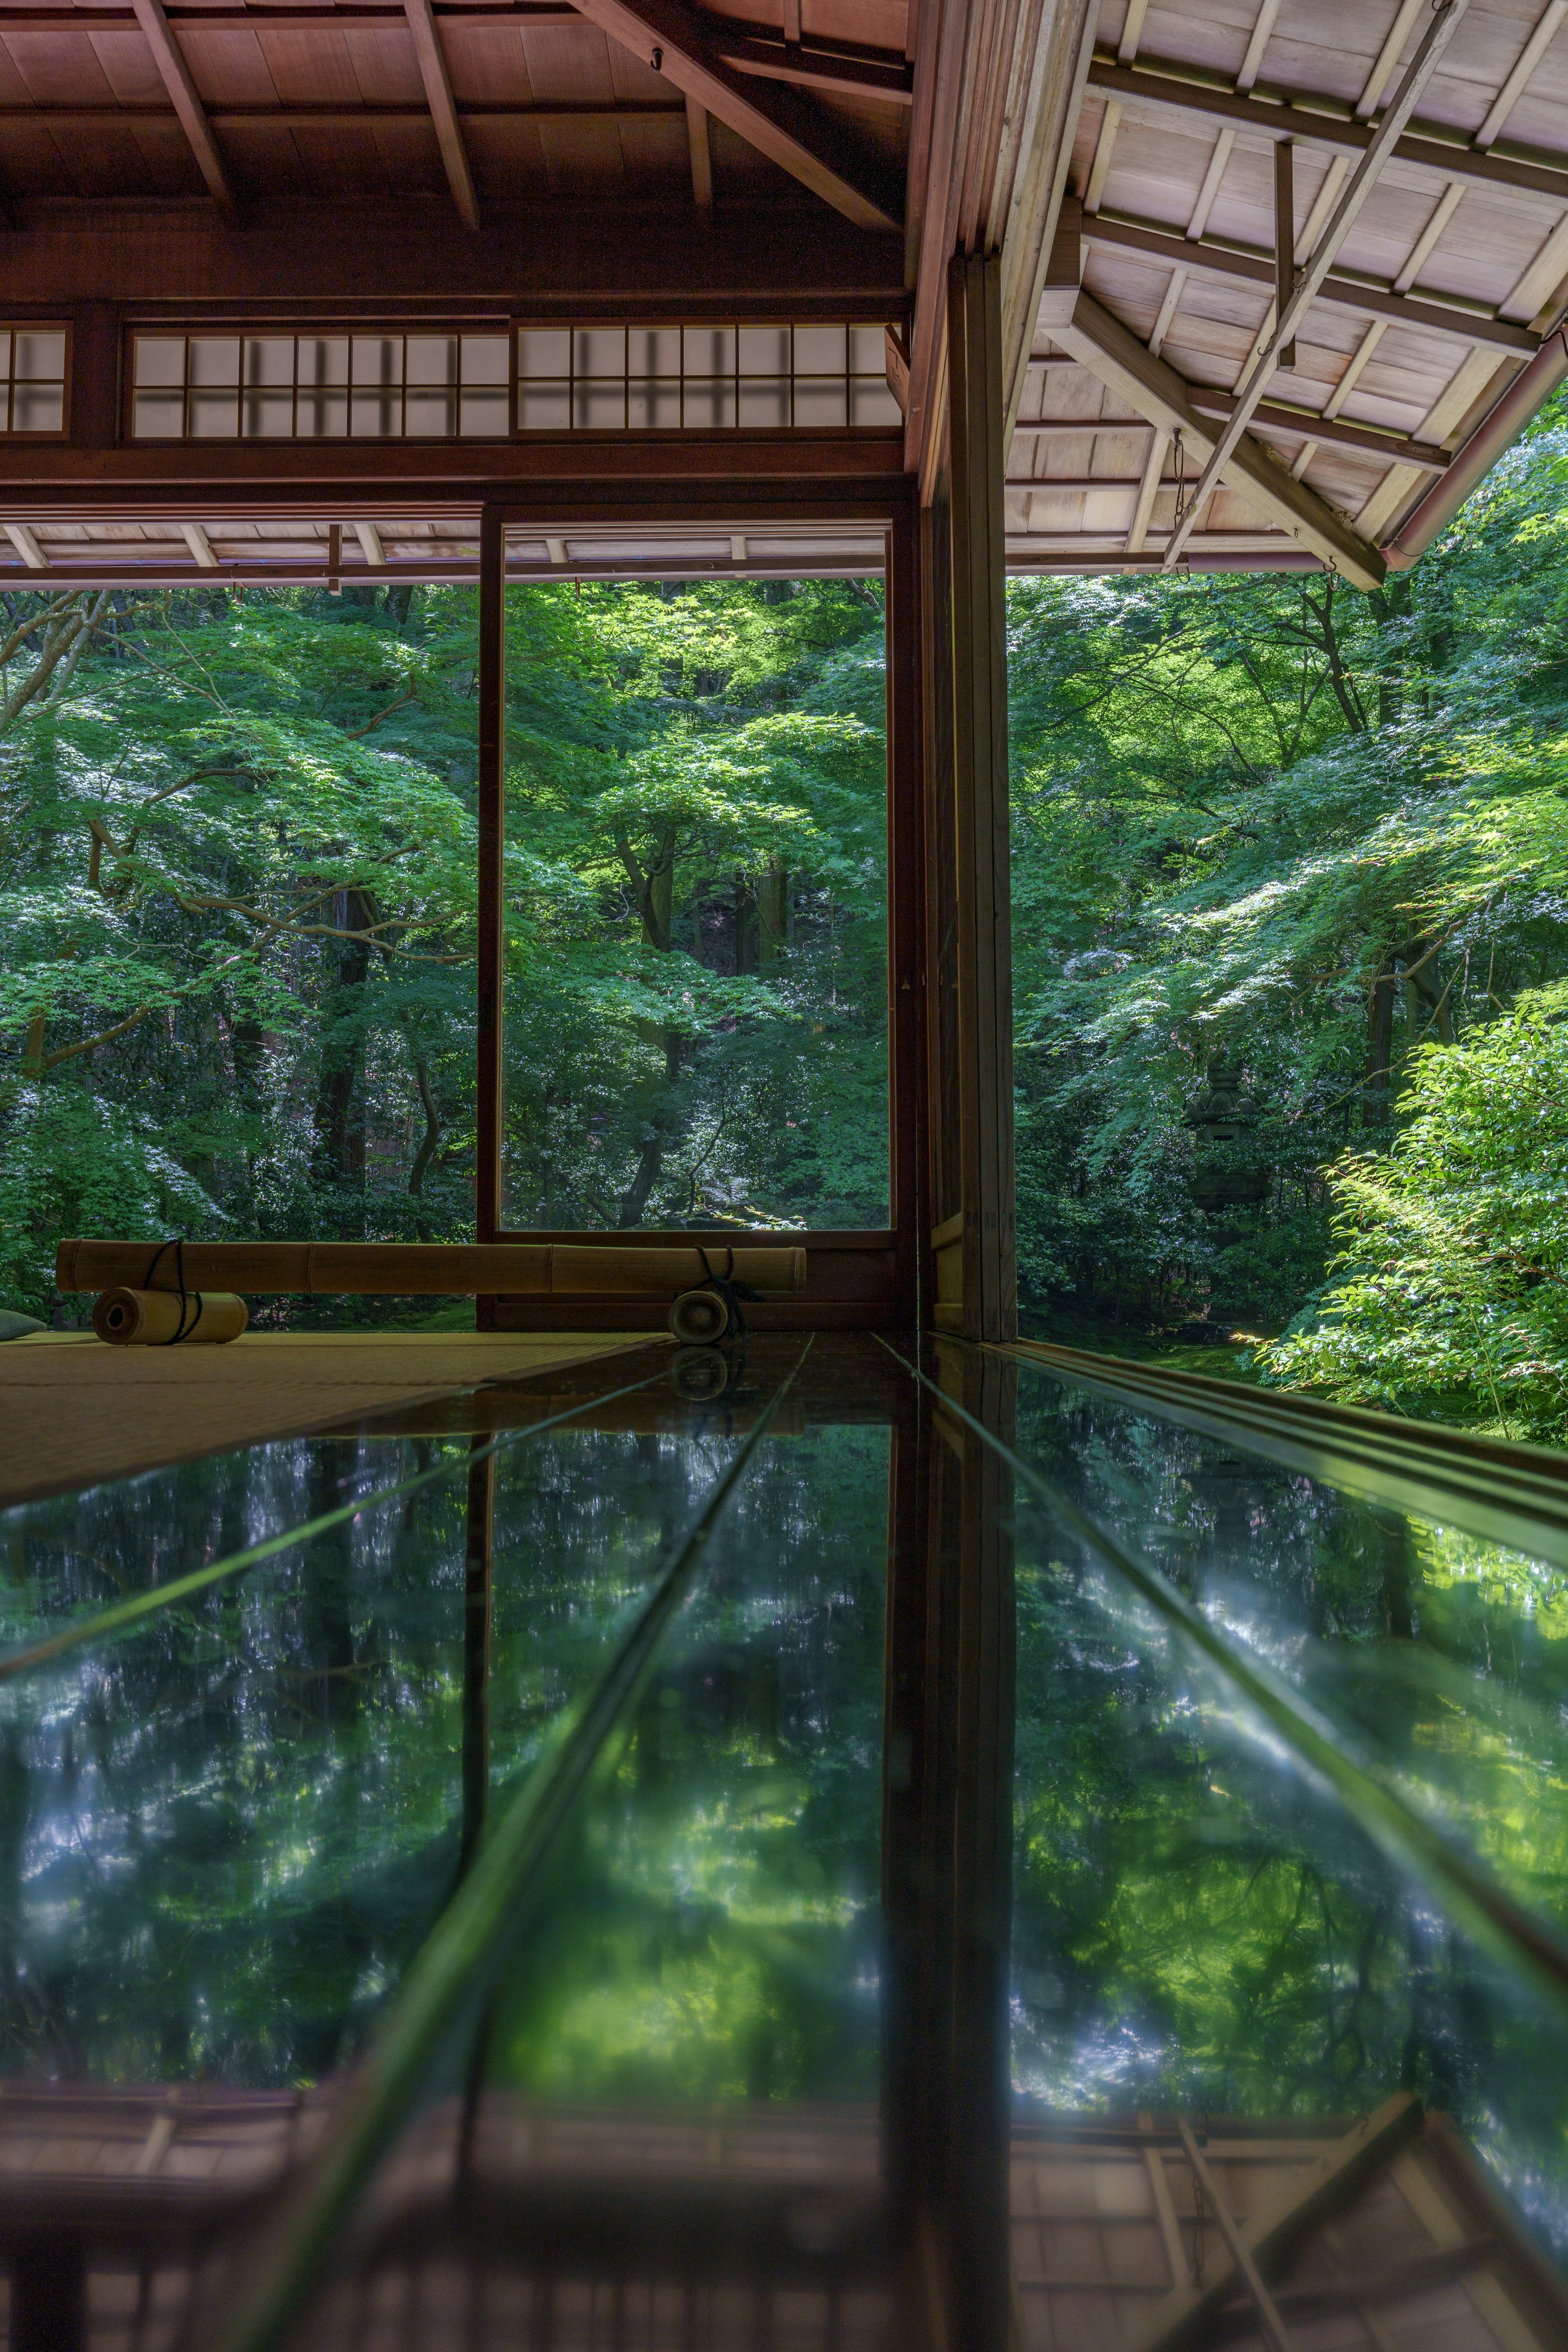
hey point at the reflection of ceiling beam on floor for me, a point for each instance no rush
(1300, 120)
(437, 83)
(782, 123)
(1440, 30)
(169, 59)
(1210, 259)
(1128, 368)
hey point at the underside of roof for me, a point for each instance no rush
(1279, 277)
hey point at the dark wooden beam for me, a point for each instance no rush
(779, 121)
(437, 83)
(1212, 257)
(1318, 122)
(554, 257)
(175, 76)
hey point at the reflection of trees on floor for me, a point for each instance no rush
(584, 2227)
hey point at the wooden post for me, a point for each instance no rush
(977, 1023)
(907, 925)
(492, 819)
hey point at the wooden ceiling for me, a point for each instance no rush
(334, 159)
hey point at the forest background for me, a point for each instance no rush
(1291, 935)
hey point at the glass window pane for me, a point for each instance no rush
(431, 359)
(654, 405)
(429, 415)
(543, 351)
(484, 358)
(764, 350)
(868, 351)
(871, 403)
(543, 407)
(215, 415)
(160, 358)
(4, 407)
(710, 403)
(819, 400)
(600, 351)
(158, 417)
(322, 415)
(377, 415)
(269, 358)
(269, 416)
(601, 407)
(322, 358)
(708, 351)
(763, 403)
(40, 355)
(819, 351)
(214, 359)
(486, 413)
(653, 350)
(377, 359)
(39, 408)
(5, 351)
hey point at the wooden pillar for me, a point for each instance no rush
(906, 942)
(969, 954)
(492, 815)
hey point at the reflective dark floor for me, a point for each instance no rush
(809, 1860)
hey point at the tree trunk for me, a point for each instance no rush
(772, 915)
(339, 1114)
(1379, 1048)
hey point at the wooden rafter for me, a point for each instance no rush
(700, 150)
(1211, 258)
(176, 78)
(437, 83)
(832, 67)
(781, 121)
(1112, 352)
(1326, 2178)
(1316, 121)
(1440, 31)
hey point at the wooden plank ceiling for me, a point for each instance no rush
(1450, 278)
(1157, 175)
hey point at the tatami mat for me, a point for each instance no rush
(73, 1412)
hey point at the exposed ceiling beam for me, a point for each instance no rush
(195, 539)
(322, 118)
(700, 154)
(1530, 57)
(842, 72)
(176, 74)
(368, 538)
(1318, 122)
(1301, 424)
(1128, 368)
(1262, 32)
(438, 84)
(1440, 30)
(1210, 259)
(27, 547)
(781, 121)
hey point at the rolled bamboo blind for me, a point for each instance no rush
(425, 1269)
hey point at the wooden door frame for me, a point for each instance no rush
(855, 1279)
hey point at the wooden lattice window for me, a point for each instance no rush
(685, 378)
